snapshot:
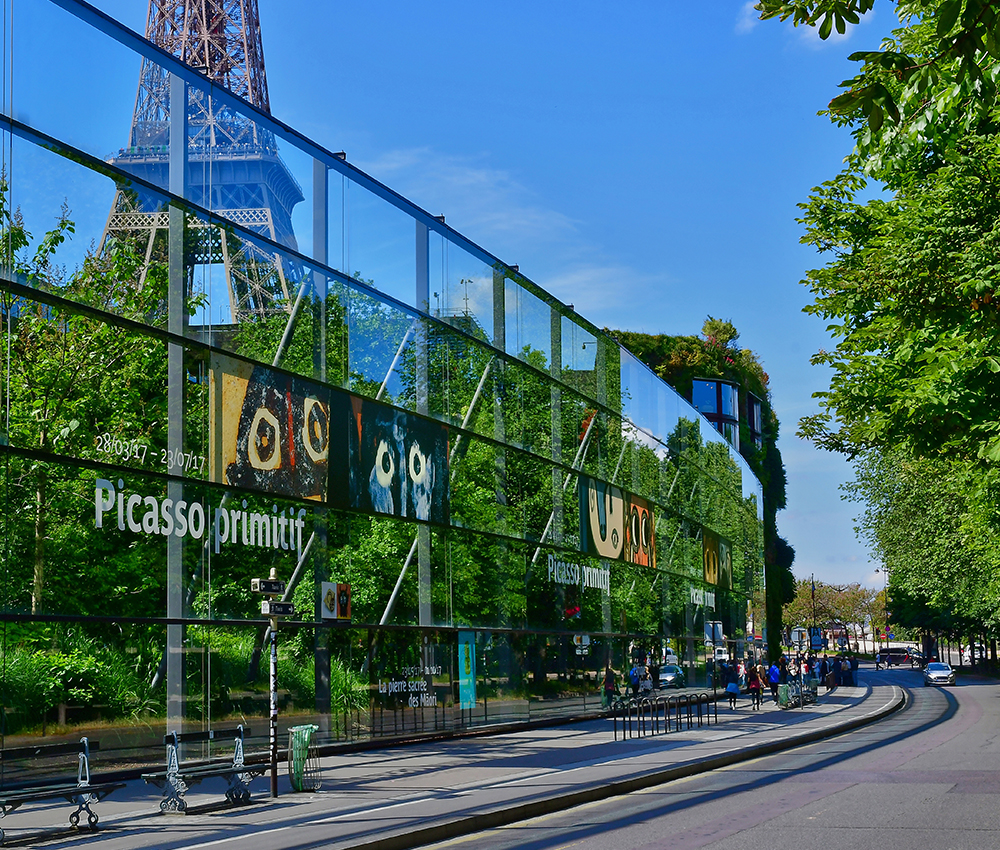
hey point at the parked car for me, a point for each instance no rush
(939, 673)
(672, 676)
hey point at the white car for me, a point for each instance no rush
(938, 673)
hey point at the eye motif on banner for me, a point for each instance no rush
(399, 463)
(614, 524)
(275, 430)
(639, 533)
(718, 560)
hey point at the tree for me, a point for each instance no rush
(935, 78)
(931, 523)
(910, 298)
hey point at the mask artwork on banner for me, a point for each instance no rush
(616, 525)
(399, 463)
(282, 434)
(272, 431)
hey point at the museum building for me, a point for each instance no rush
(240, 357)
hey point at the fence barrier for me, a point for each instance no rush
(642, 716)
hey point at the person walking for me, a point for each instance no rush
(610, 688)
(754, 687)
(773, 679)
(732, 686)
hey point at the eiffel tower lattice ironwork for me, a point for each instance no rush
(233, 164)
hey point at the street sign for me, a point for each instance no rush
(273, 608)
(270, 586)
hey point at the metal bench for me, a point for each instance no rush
(176, 780)
(80, 794)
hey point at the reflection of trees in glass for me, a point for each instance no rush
(71, 378)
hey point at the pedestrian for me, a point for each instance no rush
(845, 672)
(732, 687)
(783, 670)
(754, 687)
(610, 689)
(773, 679)
(634, 678)
(855, 678)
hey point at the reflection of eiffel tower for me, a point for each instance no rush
(233, 164)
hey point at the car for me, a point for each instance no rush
(893, 656)
(939, 673)
(672, 676)
(670, 658)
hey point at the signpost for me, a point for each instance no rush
(273, 608)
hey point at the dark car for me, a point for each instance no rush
(895, 656)
(672, 676)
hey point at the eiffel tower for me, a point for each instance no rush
(233, 164)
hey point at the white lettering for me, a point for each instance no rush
(133, 500)
(196, 520)
(104, 500)
(164, 517)
(151, 520)
(167, 516)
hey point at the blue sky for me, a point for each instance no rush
(640, 160)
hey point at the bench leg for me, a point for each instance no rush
(173, 795)
(82, 802)
(238, 791)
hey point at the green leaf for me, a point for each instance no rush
(948, 13)
(826, 27)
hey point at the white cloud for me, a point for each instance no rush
(748, 17)
(600, 293)
(486, 204)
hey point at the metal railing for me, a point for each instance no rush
(642, 716)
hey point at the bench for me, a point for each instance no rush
(80, 794)
(176, 780)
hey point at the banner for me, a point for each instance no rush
(616, 525)
(467, 669)
(717, 554)
(270, 431)
(399, 463)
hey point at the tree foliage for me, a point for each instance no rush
(910, 298)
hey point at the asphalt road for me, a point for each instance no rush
(926, 778)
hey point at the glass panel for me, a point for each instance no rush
(703, 396)
(461, 288)
(730, 400)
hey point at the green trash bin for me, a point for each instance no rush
(303, 765)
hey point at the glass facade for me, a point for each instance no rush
(476, 498)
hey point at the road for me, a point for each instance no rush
(925, 778)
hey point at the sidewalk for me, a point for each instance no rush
(404, 796)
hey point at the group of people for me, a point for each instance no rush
(734, 676)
